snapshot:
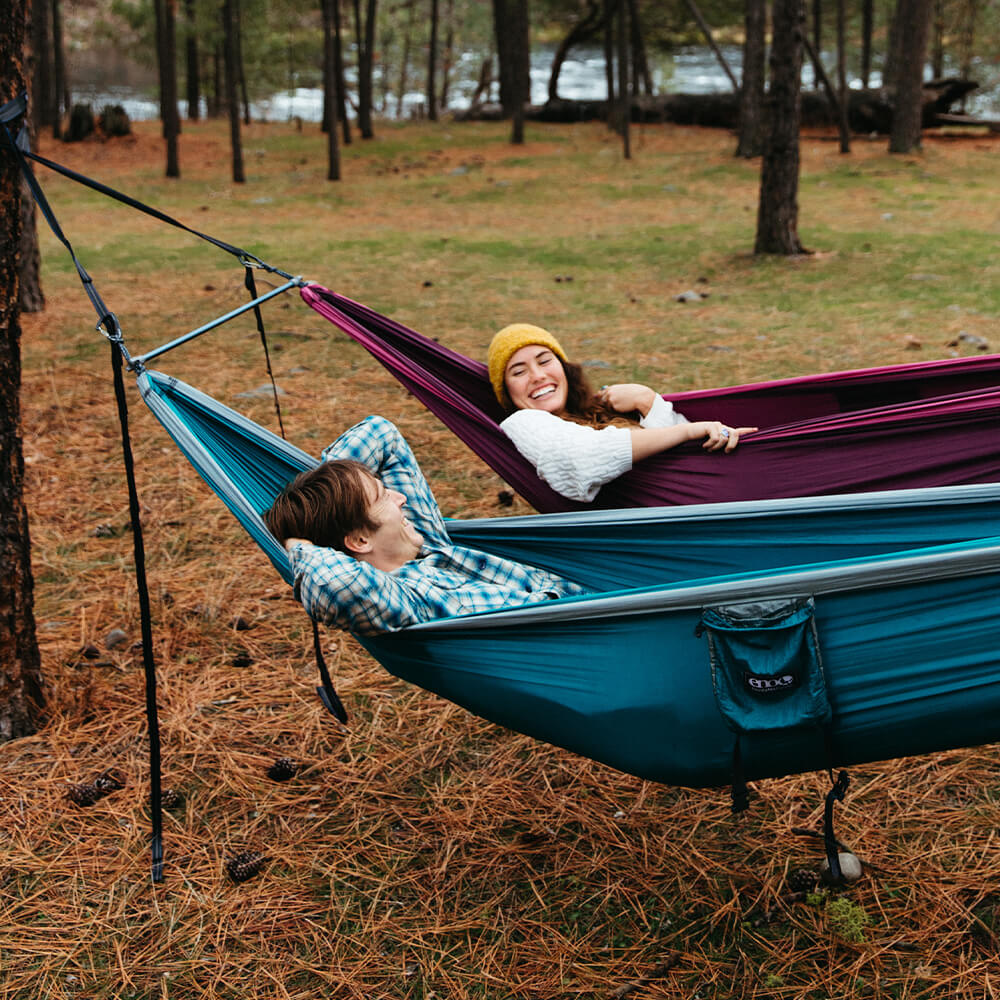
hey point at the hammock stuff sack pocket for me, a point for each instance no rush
(767, 672)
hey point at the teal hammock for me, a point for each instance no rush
(887, 603)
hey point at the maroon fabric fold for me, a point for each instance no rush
(933, 423)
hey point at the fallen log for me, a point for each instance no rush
(867, 110)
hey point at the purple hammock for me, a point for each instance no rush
(933, 423)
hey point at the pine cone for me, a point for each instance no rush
(283, 769)
(801, 880)
(109, 781)
(244, 865)
(83, 795)
(170, 798)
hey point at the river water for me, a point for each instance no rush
(689, 70)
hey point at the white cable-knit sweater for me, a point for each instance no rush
(574, 459)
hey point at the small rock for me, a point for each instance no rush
(428, 284)
(505, 498)
(979, 343)
(90, 652)
(103, 531)
(115, 639)
(850, 867)
(690, 296)
(886, 216)
(911, 343)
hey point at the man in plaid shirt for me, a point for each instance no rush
(369, 547)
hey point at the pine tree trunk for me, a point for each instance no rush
(229, 29)
(640, 64)
(867, 26)
(624, 95)
(817, 39)
(585, 28)
(842, 95)
(20, 661)
(59, 86)
(501, 17)
(913, 18)
(40, 106)
(171, 117)
(778, 212)
(338, 65)
(751, 129)
(330, 93)
(519, 53)
(432, 110)
(241, 70)
(448, 56)
(192, 67)
(365, 36)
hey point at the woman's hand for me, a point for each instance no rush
(718, 436)
(627, 397)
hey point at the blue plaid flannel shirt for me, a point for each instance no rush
(444, 580)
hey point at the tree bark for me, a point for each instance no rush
(867, 26)
(40, 107)
(624, 93)
(20, 660)
(168, 77)
(817, 39)
(913, 18)
(778, 211)
(585, 28)
(229, 29)
(504, 64)
(241, 70)
(845, 135)
(937, 40)
(330, 93)
(60, 99)
(448, 56)
(640, 64)
(338, 64)
(404, 62)
(710, 38)
(609, 56)
(192, 76)
(365, 36)
(30, 297)
(751, 128)
(432, 111)
(519, 52)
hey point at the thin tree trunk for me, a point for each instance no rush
(218, 81)
(710, 38)
(404, 62)
(778, 212)
(40, 107)
(891, 65)
(229, 29)
(365, 37)
(817, 39)
(520, 54)
(913, 17)
(609, 57)
(448, 56)
(158, 38)
(937, 41)
(330, 93)
(751, 128)
(241, 74)
(640, 64)
(504, 72)
(30, 297)
(839, 110)
(845, 135)
(338, 64)
(966, 40)
(432, 113)
(624, 94)
(867, 26)
(585, 28)
(168, 76)
(59, 86)
(192, 75)
(20, 661)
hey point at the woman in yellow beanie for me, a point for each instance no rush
(578, 439)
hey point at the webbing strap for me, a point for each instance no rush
(145, 616)
(836, 793)
(9, 113)
(251, 287)
(326, 693)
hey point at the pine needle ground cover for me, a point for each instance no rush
(423, 852)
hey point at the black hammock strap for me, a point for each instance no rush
(15, 108)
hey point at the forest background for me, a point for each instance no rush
(424, 852)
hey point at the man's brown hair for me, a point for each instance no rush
(323, 505)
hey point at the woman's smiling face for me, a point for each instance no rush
(535, 380)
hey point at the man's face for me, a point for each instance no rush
(394, 541)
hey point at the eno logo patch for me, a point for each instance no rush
(761, 684)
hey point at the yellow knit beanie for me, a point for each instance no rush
(508, 342)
